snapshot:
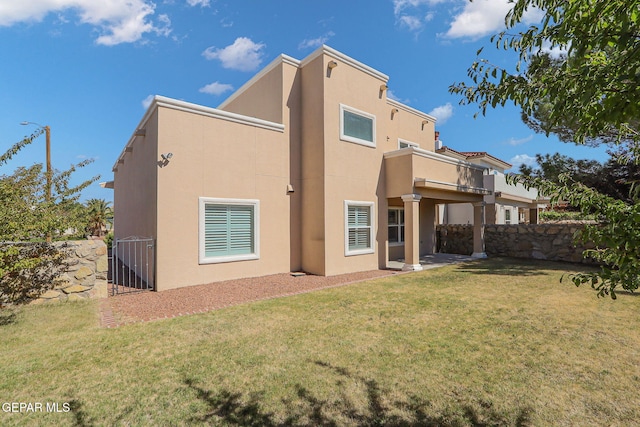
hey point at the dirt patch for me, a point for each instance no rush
(147, 306)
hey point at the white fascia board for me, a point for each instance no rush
(282, 59)
(188, 107)
(162, 101)
(404, 107)
(326, 50)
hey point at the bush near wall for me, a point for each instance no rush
(86, 276)
(554, 242)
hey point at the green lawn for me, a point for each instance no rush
(493, 342)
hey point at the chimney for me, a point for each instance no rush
(438, 142)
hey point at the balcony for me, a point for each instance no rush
(433, 175)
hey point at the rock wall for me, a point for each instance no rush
(86, 276)
(539, 241)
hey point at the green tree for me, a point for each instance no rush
(612, 178)
(99, 215)
(27, 263)
(589, 95)
(595, 82)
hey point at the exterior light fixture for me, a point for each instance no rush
(383, 87)
(332, 65)
(166, 157)
(424, 122)
(394, 111)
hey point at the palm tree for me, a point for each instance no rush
(99, 215)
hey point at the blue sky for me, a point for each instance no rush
(87, 68)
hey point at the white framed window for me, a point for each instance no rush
(357, 126)
(507, 216)
(228, 230)
(404, 144)
(396, 226)
(359, 227)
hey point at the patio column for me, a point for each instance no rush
(478, 231)
(411, 232)
(428, 223)
(533, 215)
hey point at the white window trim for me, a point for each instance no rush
(401, 242)
(409, 143)
(203, 259)
(355, 140)
(347, 251)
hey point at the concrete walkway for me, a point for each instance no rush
(432, 261)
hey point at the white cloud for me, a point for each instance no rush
(442, 113)
(483, 17)
(119, 21)
(556, 51)
(520, 141)
(243, 54)
(216, 88)
(201, 3)
(393, 96)
(400, 5)
(522, 159)
(317, 42)
(413, 21)
(146, 103)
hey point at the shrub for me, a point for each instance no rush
(27, 270)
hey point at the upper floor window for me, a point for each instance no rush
(404, 144)
(357, 126)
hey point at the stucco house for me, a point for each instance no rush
(505, 204)
(309, 166)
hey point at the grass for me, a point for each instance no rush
(493, 342)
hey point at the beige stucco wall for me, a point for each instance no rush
(262, 99)
(353, 171)
(219, 159)
(135, 183)
(313, 168)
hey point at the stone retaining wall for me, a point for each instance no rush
(87, 274)
(539, 241)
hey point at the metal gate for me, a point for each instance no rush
(132, 265)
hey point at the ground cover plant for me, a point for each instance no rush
(490, 342)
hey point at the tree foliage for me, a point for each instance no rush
(596, 81)
(590, 94)
(27, 263)
(616, 234)
(611, 178)
(99, 214)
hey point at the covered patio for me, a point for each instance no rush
(419, 180)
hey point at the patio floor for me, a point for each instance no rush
(432, 261)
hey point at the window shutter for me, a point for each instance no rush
(359, 221)
(228, 230)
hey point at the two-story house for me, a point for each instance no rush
(307, 167)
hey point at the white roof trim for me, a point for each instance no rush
(161, 101)
(419, 113)
(423, 182)
(433, 156)
(281, 59)
(324, 49)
